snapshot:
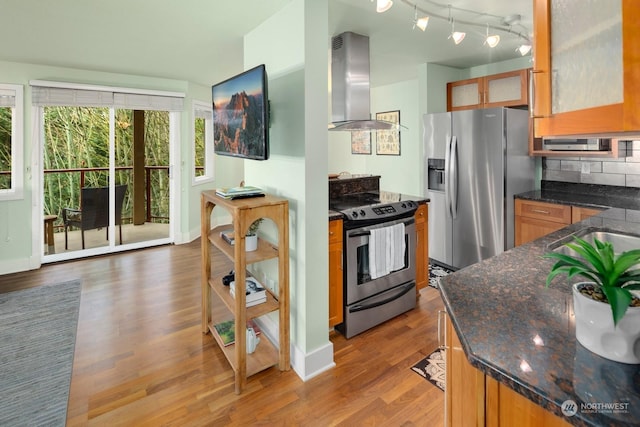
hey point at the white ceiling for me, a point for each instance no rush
(396, 49)
(201, 40)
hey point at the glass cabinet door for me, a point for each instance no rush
(586, 54)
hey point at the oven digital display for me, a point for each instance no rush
(384, 210)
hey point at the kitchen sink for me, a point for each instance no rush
(621, 242)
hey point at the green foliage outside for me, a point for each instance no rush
(78, 138)
(5, 147)
(199, 135)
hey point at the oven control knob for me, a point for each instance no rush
(362, 212)
(354, 214)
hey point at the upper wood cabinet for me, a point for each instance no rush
(498, 90)
(586, 81)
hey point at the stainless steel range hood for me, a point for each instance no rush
(350, 102)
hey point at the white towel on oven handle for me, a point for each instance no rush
(386, 250)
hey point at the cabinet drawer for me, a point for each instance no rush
(335, 231)
(545, 211)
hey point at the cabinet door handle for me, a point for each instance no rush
(540, 211)
(532, 94)
(441, 342)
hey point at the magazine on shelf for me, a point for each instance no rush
(227, 236)
(237, 192)
(227, 333)
(256, 302)
(255, 292)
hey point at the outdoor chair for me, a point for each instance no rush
(94, 211)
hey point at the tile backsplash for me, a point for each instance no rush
(623, 171)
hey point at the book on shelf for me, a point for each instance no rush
(254, 291)
(227, 236)
(227, 333)
(238, 192)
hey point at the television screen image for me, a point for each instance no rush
(241, 116)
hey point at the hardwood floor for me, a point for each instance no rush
(141, 359)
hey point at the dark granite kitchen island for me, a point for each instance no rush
(522, 334)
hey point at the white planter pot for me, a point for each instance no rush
(251, 243)
(596, 332)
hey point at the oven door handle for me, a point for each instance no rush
(403, 290)
(366, 232)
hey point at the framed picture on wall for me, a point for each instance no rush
(388, 141)
(361, 142)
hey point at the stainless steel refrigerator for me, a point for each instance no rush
(477, 160)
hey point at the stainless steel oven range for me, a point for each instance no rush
(370, 301)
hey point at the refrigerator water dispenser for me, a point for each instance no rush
(436, 174)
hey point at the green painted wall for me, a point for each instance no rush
(297, 168)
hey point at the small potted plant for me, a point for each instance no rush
(607, 314)
(251, 241)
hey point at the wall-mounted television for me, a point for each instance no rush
(241, 115)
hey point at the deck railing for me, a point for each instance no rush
(149, 170)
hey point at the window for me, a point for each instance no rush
(11, 141)
(202, 142)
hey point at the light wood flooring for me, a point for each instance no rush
(141, 359)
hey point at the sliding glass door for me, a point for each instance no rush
(105, 175)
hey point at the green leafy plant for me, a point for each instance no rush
(253, 228)
(615, 275)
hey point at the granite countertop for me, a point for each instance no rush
(521, 333)
(585, 195)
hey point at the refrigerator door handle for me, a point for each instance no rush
(447, 178)
(453, 177)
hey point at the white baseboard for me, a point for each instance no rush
(306, 365)
(16, 266)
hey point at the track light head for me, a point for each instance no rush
(492, 40)
(524, 49)
(383, 5)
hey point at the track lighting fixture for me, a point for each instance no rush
(502, 24)
(492, 40)
(457, 36)
(420, 23)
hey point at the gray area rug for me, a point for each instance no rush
(37, 341)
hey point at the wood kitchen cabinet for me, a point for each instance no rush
(498, 90)
(422, 247)
(335, 273)
(579, 214)
(464, 384)
(586, 82)
(535, 219)
(474, 399)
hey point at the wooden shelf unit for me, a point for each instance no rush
(219, 305)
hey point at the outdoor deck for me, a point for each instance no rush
(97, 238)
